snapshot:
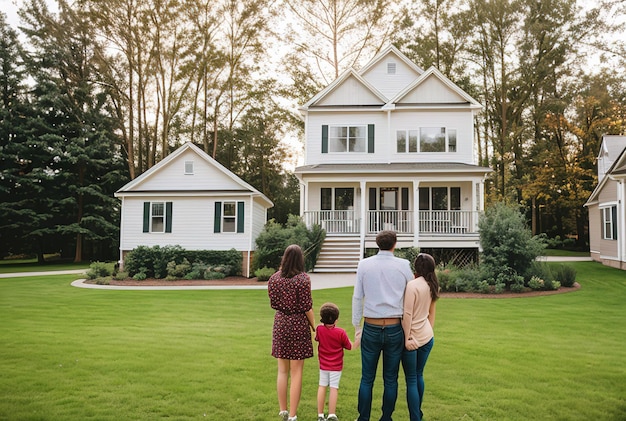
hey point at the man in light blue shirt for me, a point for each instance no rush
(378, 298)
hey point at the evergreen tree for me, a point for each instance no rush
(25, 211)
(85, 165)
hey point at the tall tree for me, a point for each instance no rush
(24, 158)
(85, 166)
(330, 36)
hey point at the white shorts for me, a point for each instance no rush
(330, 378)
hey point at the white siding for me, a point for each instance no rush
(172, 176)
(192, 225)
(390, 84)
(432, 90)
(259, 218)
(351, 92)
(385, 136)
(315, 121)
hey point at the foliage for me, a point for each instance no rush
(263, 274)
(275, 238)
(409, 254)
(507, 243)
(565, 274)
(98, 270)
(174, 262)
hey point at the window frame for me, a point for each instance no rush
(608, 224)
(335, 139)
(228, 220)
(411, 140)
(449, 195)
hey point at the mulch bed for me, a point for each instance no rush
(242, 280)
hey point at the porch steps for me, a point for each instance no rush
(339, 254)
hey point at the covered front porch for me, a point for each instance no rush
(428, 222)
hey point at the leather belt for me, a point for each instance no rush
(389, 321)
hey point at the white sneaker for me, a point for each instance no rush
(283, 415)
(321, 418)
(332, 417)
(294, 418)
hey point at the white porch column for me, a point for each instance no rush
(416, 213)
(363, 212)
(304, 198)
(621, 219)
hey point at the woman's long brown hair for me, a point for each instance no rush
(425, 266)
(293, 261)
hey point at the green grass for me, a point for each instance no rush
(561, 252)
(74, 354)
(30, 265)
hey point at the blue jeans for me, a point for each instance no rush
(388, 340)
(413, 363)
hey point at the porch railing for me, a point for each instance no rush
(334, 221)
(429, 222)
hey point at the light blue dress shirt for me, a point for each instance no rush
(379, 288)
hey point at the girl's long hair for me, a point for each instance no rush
(425, 266)
(292, 263)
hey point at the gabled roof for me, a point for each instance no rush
(345, 77)
(135, 185)
(617, 170)
(418, 92)
(386, 52)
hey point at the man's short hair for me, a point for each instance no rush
(386, 240)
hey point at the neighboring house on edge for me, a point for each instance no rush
(607, 214)
(191, 200)
(391, 146)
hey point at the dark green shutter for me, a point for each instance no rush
(370, 138)
(146, 216)
(217, 227)
(614, 215)
(325, 138)
(168, 216)
(240, 216)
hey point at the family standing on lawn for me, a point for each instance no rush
(397, 307)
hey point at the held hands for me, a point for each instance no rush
(357, 337)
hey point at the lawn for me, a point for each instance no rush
(76, 354)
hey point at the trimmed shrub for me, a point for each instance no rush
(209, 274)
(98, 270)
(565, 274)
(506, 240)
(156, 262)
(264, 274)
(272, 242)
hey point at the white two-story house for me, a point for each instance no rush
(391, 146)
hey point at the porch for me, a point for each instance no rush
(429, 222)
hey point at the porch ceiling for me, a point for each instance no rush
(396, 167)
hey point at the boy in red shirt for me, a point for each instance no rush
(332, 341)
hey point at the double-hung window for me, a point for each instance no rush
(347, 139)
(157, 217)
(229, 216)
(609, 227)
(356, 138)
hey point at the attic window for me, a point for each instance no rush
(391, 68)
(188, 167)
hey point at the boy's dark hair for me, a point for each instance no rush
(386, 240)
(329, 313)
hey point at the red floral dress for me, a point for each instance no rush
(291, 298)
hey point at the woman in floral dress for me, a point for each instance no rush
(289, 291)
